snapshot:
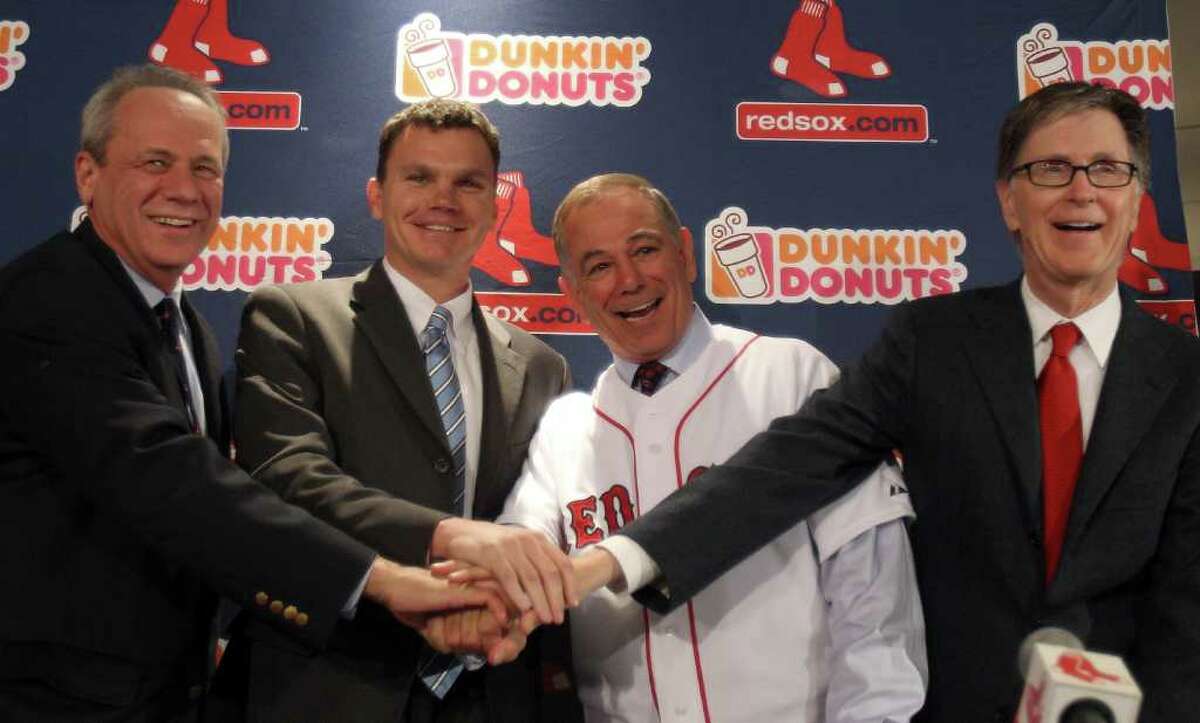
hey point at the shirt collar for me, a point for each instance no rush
(151, 293)
(419, 305)
(683, 355)
(1098, 324)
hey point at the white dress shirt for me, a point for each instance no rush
(464, 351)
(1089, 357)
(152, 294)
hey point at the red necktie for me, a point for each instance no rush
(1062, 440)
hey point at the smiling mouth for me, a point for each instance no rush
(173, 221)
(1077, 226)
(441, 228)
(640, 312)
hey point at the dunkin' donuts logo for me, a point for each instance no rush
(1141, 68)
(760, 265)
(518, 69)
(246, 252)
(12, 34)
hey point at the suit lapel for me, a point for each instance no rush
(1133, 391)
(1001, 355)
(503, 380)
(158, 361)
(382, 318)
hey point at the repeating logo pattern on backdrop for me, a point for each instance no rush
(1141, 68)
(504, 257)
(195, 35)
(761, 265)
(518, 69)
(246, 252)
(12, 34)
(814, 51)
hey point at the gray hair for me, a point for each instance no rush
(586, 191)
(96, 126)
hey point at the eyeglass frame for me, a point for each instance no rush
(1027, 168)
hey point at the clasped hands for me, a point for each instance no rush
(499, 584)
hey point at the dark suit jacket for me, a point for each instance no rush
(118, 526)
(951, 385)
(336, 414)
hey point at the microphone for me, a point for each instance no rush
(1066, 684)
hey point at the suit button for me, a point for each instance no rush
(261, 598)
(442, 465)
(276, 606)
(289, 612)
(302, 619)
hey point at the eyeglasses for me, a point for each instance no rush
(1056, 174)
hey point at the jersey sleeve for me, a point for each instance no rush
(534, 500)
(882, 497)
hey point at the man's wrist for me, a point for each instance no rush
(443, 532)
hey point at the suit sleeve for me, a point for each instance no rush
(1166, 655)
(77, 389)
(284, 441)
(782, 475)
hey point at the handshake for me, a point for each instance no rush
(497, 585)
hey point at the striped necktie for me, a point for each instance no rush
(438, 671)
(448, 395)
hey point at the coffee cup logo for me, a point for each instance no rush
(429, 55)
(737, 252)
(1044, 58)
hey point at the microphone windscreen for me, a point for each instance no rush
(1048, 635)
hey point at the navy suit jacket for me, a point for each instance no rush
(951, 385)
(118, 526)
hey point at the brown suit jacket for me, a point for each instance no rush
(335, 413)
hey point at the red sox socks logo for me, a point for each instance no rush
(196, 33)
(1149, 248)
(815, 48)
(513, 236)
(615, 507)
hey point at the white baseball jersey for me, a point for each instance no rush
(754, 646)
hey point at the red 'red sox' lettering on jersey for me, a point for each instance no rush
(616, 507)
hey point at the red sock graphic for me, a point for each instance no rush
(834, 52)
(1149, 248)
(795, 58)
(1150, 245)
(174, 47)
(214, 39)
(493, 258)
(519, 236)
(1138, 274)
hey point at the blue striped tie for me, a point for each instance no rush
(437, 670)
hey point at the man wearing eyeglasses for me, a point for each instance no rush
(1050, 431)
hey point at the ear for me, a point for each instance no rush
(1142, 207)
(1008, 208)
(86, 170)
(375, 198)
(689, 253)
(564, 285)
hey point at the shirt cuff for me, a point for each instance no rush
(351, 606)
(637, 568)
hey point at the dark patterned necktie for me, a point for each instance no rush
(169, 324)
(649, 376)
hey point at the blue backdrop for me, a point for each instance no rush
(817, 197)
